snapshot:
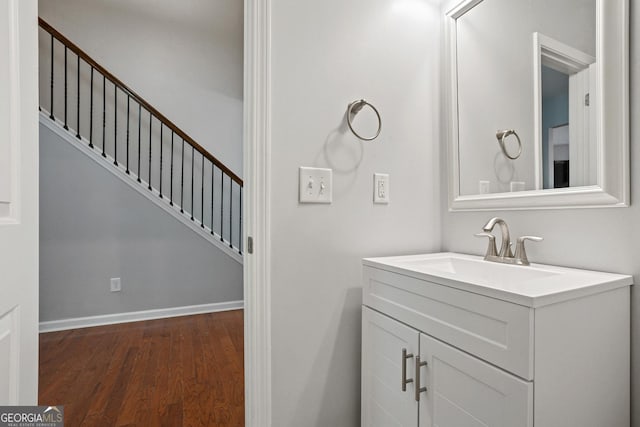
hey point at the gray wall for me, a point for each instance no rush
(184, 57)
(325, 55)
(94, 227)
(597, 239)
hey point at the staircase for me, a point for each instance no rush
(107, 120)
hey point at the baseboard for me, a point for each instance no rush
(136, 316)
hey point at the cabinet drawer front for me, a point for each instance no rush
(463, 391)
(497, 331)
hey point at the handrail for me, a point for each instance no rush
(123, 87)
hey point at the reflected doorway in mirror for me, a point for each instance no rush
(565, 80)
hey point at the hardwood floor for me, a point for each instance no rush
(183, 371)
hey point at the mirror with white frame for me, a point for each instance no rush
(537, 103)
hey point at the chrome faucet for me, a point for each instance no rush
(505, 255)
(505, 246)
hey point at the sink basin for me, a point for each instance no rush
(531, 285)
(478, 270)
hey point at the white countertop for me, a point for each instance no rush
(535, 285)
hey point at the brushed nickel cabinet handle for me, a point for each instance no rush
(405, 381)
(419, 389)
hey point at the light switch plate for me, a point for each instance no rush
(316, 185)
(484, 187)
(381, 188)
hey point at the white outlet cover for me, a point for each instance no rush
(517, 186)
(381, 188)
(116, 284)
(315, 184)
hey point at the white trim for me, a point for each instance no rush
(257, 192)
(136, 316)
(559, 56)
(142, 188)
(612, 52)
(553, 198)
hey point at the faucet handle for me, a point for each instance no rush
(521, 253)
(491, 249)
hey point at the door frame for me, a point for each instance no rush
(256, 211)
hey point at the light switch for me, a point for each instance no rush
(381, 188)
(315, 185)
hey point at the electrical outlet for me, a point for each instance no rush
(517, 185)
(116, 284)
(381, 188)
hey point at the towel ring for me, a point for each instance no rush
(353, 109)
(502, 135)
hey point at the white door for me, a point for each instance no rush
(384, 403)
(18, 202)
(463, 391)
(583, 156)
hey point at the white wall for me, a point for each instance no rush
(325, 55)
(496, 51)
(185, 58)
(94, 227)
(596, 239)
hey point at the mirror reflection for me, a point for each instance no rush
(555, 128)
(527, 67)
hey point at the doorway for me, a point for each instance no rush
(205, 220)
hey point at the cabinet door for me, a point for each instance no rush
(463, 391)
(384, 404)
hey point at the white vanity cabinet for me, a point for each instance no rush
(461, 390)
(491, 356)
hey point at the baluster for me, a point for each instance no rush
(171, 179)
(104, 112)
(193, 156)
(128, 113)
(91, 112)
(115, 124)
(221, 203)
(161, 126)
(139, 140)
(78, 135)
(65, 89)
(230, 213)
(78, 106)
(150, 122)
(182, 180)
(202, 193)
(212, 174)
(51, 116)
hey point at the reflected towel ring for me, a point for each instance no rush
(353, 109)
(502, 136)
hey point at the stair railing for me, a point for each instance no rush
(145, 142)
